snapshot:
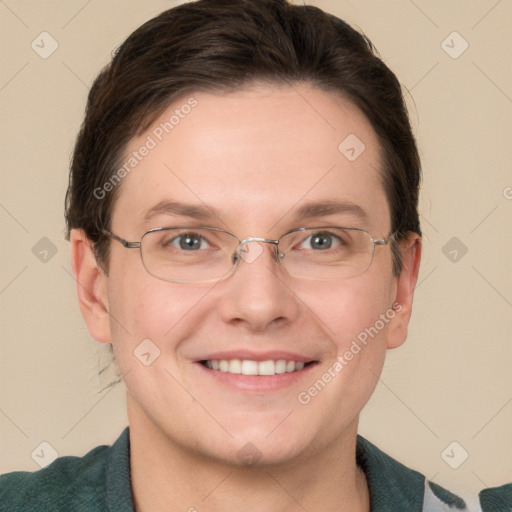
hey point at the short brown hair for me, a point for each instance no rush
(223, 45)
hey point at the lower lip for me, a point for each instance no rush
(257, 383)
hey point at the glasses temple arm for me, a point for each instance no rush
(125, 243)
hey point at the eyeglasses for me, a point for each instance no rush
(203, 254)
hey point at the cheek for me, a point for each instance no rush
(348, 310)
(142, 307)
(356, 317)
(351, 316)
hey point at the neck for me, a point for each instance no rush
(168, 477)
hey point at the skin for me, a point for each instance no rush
(254, 156)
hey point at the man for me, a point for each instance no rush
(243, 221)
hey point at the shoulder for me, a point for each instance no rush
(496, 499)
(68, 483)
(394, 486)
(67, 479)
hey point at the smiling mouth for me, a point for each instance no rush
(251, 367)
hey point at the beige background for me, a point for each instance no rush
(451, 381)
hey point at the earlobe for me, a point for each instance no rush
(406, 282)
(91, 285)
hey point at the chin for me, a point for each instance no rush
(257, 455)
(262, 446)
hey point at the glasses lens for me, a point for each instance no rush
(184, 254)
(326, 253)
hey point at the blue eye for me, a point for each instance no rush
(323, 240)
(188, 242)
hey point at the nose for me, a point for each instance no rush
(258, 293)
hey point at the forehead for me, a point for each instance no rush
(255, 158)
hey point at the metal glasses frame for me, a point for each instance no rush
(235, 257)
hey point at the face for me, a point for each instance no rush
(254, 158)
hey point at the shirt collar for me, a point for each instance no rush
(392, 485)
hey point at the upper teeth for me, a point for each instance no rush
(249, 367)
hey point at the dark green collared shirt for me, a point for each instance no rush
(100, 481)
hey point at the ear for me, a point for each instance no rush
(405, 284)
(91, 285)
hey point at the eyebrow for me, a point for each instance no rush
(166, 207)
(329, 207)
(306, 211)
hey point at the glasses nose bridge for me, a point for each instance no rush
(241, 243)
